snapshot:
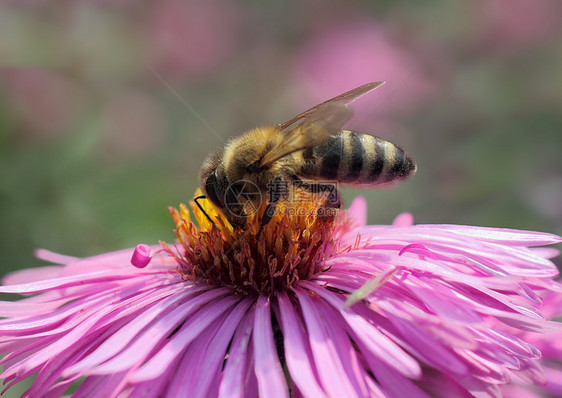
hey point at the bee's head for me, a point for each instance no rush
(222, 192)
(213, 181)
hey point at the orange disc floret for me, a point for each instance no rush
(289, 249)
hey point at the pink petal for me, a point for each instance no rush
(338, 379)
(546, 252)
(152, 388)
(422, 343)
(55, 258)
(97, 299)
(64, 351)
(394, 383)
(32, 364)
(500, 235)
(374, 389)
(403, 220)
(32, 275)
(202, 364)
(378, 344)
(271, 380)
(158, 363)
(554, 381)
(518, 391)
(358, 211)
(27, 309)
(121, 338)
(233, 384)
(185, 367)
(99, 386)
(297, 351)
(144, 344)
(57, 389)
(121, 260)
(76, 280)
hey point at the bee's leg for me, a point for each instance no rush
(278, 189)
(332, 204)
(267, 215)
(196, 200)
(333, 199)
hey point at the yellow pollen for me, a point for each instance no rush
(290, 248)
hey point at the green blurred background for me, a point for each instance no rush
(95, 141)
(108, 108)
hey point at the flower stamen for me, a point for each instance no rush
(288, 250)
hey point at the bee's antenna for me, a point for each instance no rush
(195, 199)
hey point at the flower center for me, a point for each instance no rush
(289, 249)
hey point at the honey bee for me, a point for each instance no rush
(305, 151)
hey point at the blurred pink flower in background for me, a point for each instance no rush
(191, 39)
(47, 103)
(338, 58)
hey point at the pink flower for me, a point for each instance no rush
(452, 315)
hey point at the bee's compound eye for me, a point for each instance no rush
(210, 188)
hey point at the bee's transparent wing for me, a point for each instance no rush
(342, 99)
(315, 125)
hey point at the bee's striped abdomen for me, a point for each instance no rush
(354, 158)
